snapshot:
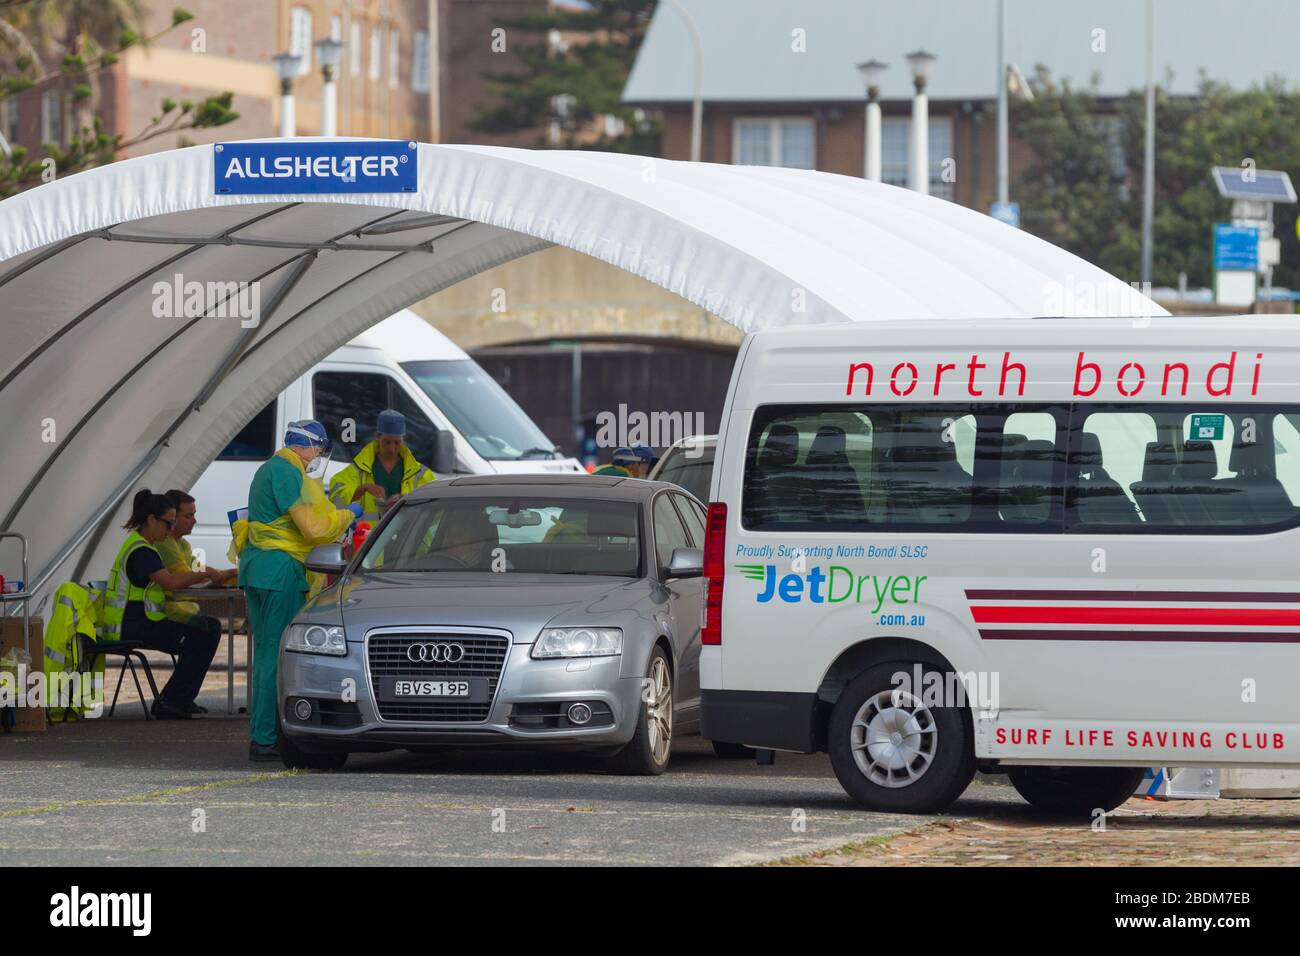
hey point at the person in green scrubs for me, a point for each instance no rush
(288, 515)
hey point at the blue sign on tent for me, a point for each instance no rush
(1008, 212)
(288, 166)
(1236, 248)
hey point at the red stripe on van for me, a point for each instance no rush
(1231, 637)
(1257, 617)
(1253, 597)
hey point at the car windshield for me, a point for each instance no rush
(531, 535)
(481, 410)
(690, 467)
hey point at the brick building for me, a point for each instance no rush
(781, 86)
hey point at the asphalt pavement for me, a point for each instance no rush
(123, 791)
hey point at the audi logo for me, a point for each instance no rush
(436, 653)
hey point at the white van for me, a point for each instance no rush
(1066, 549)
(459, 420)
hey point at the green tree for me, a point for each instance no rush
(1082, 188)
(65, 45)
(592, 70)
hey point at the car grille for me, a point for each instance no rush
(484, 657)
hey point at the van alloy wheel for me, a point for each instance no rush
(659, 710)
(893, 739)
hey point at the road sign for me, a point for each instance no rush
(1236, 248)
(1008, 212)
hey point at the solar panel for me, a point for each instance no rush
(1261, 185)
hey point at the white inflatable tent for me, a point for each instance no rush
(101, 395)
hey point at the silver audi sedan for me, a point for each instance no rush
(537, 611)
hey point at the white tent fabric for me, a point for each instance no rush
(100, 395)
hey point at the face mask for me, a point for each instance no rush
(316, 467)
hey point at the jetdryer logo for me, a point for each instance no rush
(360, 166)
(835, 585)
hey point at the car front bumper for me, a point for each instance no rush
(527, 709)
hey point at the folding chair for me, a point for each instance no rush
(130, 653)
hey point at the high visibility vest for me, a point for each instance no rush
(362, 472)
(121, 591)
(68, 641)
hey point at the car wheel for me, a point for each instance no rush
(895, 753)
(1076, 791)
(732, 751)
(647, 753)
(296, 758)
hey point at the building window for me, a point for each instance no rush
(355, 54)
(394, 52)
(896, 149)
(300, 38)
(420, 62)
(376, 50)
(336, 29)
(51, 117)
(775, 142)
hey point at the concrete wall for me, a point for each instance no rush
(561, 294)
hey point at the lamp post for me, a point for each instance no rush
(1004, 129)
(919, 174)
(330, 52)
(871, 72)
(1149, 151)
(697, 90)
(286, 66)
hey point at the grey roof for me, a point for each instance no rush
(748, 52)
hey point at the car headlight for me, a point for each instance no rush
(316, 639)
(579, 642)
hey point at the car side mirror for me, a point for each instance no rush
(444, 453)
(326, 559)
(686, 563)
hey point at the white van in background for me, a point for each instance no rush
(459, 420)
(1064, 549)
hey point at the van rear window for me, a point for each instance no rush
(1042, 468)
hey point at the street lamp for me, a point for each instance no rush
(872, 71)
(286, 66)
(329, 51)
(697, 88)
(919, 175)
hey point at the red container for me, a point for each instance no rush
(359, 535)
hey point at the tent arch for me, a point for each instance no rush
(100, 394)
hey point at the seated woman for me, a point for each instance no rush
(134, 606)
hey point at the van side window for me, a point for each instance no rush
(1286, 449)
(361, 396)
(1108, 465)
(1183, 468)
(421, 434)
(892, 467)
(1132, 468)
(357, 397)
(256, 441)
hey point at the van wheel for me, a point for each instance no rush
(647, 753)
(894, 753)
(295, 758)
(732, 751)
(1075, 791)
